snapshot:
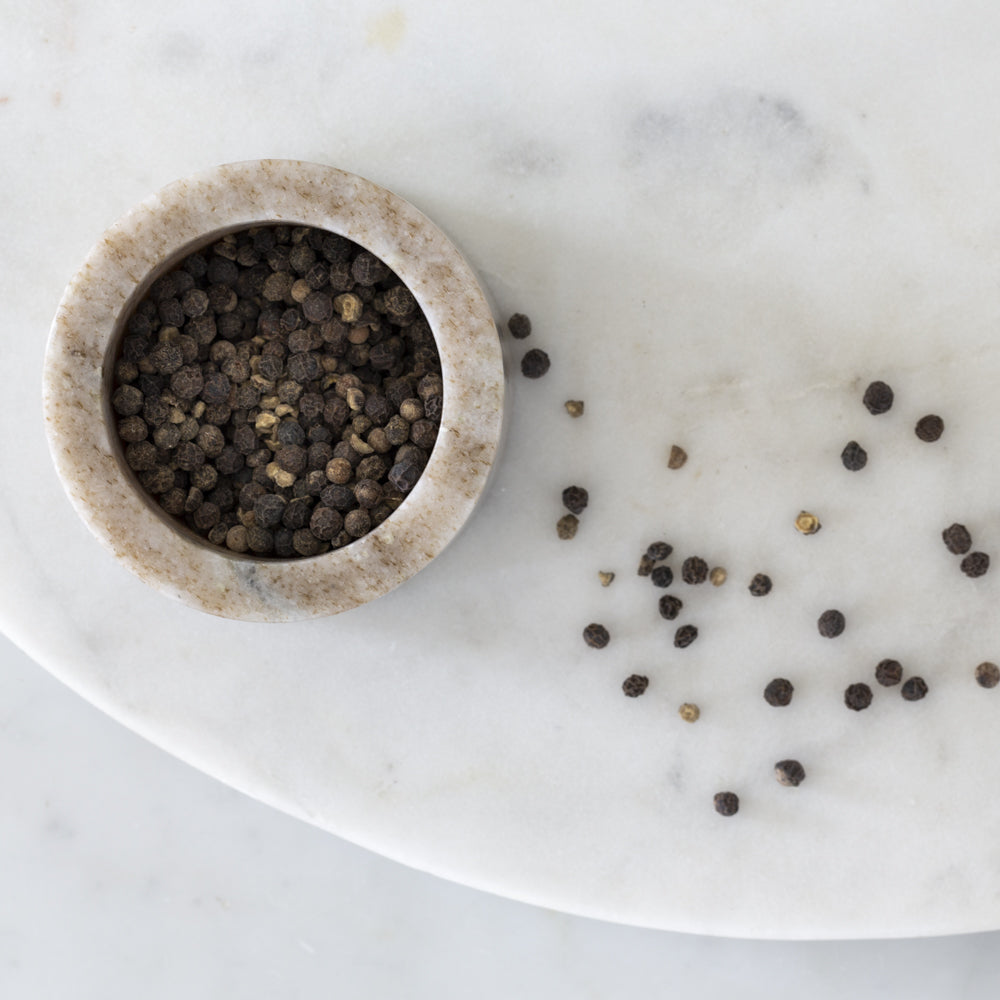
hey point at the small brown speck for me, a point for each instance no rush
(678, 456)
(566, 526)
(987, 675)
(574, 407)
(717, 577)
(606, 578)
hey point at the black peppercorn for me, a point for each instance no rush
(889, 672)
(878, 398)
(790, 773)
(694, 570)
(596, 636)
(726, 803)
(760, 585)
(519, 326)
(957, 539)
(659, 551)
(854, 456)
(645, 565)
(987, 675)
(779, 692)
(914, 688)
(575, 499)
(975, 564)
(662, 576)
(635, 685)
(685, 635)
(670, 606)
(929, 428)
(535, 363)
(831, 624)
(858, 697)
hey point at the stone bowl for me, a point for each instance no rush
(153, 238)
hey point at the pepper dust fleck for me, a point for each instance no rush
(535, 363)
(807, 523)
(670, 606)
(858, 697)
(726, 803)
(717, 577)
(566, 526)
(854, 456)
(689, 712)
(678, 456)
(889, 672)
(878, 398)
(635, 685)
(831, 623)
(575, 499)
(987, 675)
(957, 539)
(760, 585)
(596, 636)
(790, 773)
(606, 578)
(574, 407)
(694, 570)
(914, 688)
(519, 326)
(685, 635)
(779, 692)
(975, 564)
(929, 428)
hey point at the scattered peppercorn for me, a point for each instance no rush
(659, 551)
(566, 526)
(662, 576)
(957, 539)
(689, 712)
(596, 636)
(635, 685)
(694, 570)
(790, 773)
(678, 456)
(929, 428)
(779, 692)
(519, 326)
(854, 456)
(807, 523)
(889, 672)
(760, 585)
(574, 407)
(575, 499)
(670, 606)
(241, 368)
(878, 398)
(914, 688)
(858, 697)
(726, 803)
(717, 577)
(987, 675)
(685, 635)
(831, 624)
(606, 578)
(535, 363)
(645, 565)
(975, 564)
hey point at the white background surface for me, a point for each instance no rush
(128, 874)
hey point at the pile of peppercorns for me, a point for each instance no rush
(278, 392)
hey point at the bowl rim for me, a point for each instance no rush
(154, 237)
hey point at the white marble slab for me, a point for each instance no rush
(723, 223)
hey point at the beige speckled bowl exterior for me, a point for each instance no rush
(155, 236)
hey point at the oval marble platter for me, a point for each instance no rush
(745, 237)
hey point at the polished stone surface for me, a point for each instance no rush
(723, 223)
